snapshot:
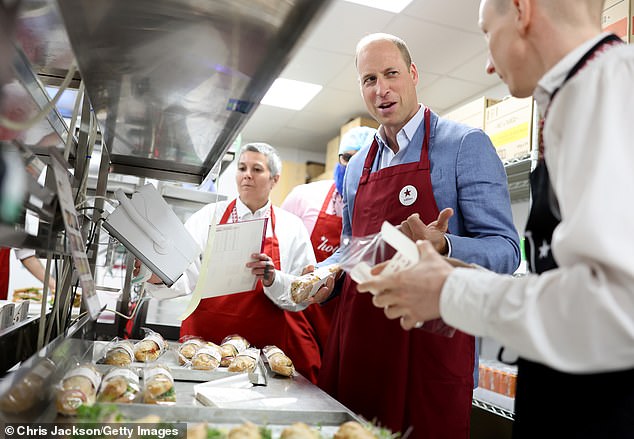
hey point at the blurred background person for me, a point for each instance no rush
(31, 263)
(320, 205)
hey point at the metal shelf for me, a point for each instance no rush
(518, 172)
(494, 403)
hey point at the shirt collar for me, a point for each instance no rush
(555, 77)
(405, 135)
(244, 212)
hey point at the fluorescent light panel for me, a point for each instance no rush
(395, 6)
(290, 94)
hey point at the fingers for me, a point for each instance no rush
(263, 268)
(443, 218)
(308, 269)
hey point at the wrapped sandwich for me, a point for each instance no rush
(159, 385)
(119, 353)
(119, 385)
(353, 430)
(299, 430)
(245, 361)
(279, 362)
(206, 358)
(231, 346)
(306, 286)
(150, 348)
(248, 430)
(188, 348)
(78, 387)
(32, 293)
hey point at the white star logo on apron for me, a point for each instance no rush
(408, 195)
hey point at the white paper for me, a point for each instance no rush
(223, 270)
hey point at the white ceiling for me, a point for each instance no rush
(446, 45)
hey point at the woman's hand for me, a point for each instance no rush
(263, 268)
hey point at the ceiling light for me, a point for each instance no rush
(287, 93)
(395, 6)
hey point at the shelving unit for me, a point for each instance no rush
(168, 87)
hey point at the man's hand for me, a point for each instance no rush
(413, 294)
(433, 232)
(263, 268)
(325, 291)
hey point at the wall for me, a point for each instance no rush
(227, 182)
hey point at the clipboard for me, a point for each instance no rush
(223, 270)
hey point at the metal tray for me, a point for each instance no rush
(168, 358)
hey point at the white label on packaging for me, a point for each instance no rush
(150, 373)
(86, 372)
(123, 345)
(251, 353)
(209, 350)
(237, 343)
(268, 353)
(122, 372)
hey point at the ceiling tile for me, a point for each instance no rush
(316, 66)
(434, 48)
(343, 25)
(447, 92)
(474, 70)
(463, 16)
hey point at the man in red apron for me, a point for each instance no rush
(570, 320)
(257, 315)
(319, 204)
(419, 383)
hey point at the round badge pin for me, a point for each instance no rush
(408, 195)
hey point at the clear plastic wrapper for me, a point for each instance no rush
(78, 387)
(207, 357)
(151, 347)
(119, 385)
(245, 361)
(187, 349)
(279, 362)
(158, 385)
(306, 286)
(360, 254)
(119, 353)
(231, 346)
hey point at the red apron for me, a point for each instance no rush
(254, 316)
(4, 272)
(402, 379)
(325, 239)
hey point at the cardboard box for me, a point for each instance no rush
(472, 113)
(509, 124)
(617, 18)
(313, 169)
(358, 122)
(328, 175)
(332, 154)
(293, 174)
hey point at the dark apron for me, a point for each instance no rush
(325, 240)
(401, 379)
(550, 403)
(4, 272)
(254, 316)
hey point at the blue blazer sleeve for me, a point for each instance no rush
(482, 229)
